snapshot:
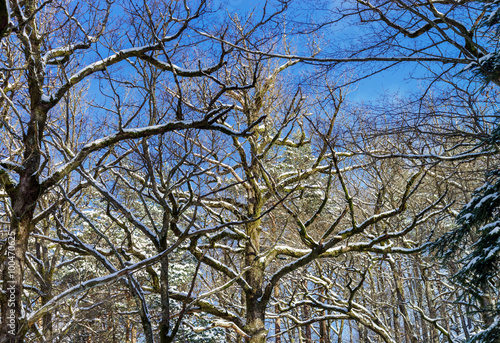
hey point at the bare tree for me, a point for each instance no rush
(50, 49)
(272, 190)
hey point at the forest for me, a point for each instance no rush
(256, 171)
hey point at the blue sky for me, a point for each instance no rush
(394, 80)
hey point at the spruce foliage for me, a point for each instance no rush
(476, 239)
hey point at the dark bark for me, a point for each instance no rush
(23, 205)
(307, 328)
(4, 18)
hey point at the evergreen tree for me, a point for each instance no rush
(476, 240)
(488, 66)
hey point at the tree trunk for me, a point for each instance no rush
(397, 331)
(409, 333)
(341, 332)
(24, 196)
(307, 328)
(277, 323)
(430, 304)
(13, 330)
(324, 331)
(23, 201)
(47, 272)
(255, 316)
(165, 303)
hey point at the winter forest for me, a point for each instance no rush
(249, 171)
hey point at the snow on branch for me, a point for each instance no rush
(207, 123)
(97, 282)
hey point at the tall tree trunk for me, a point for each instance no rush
(307, 328)
(324, 327)
(430, 304)
(23, 206)
(277, 323)
(47, 272)
(255, 309)
(409, 333)
(397, 331)
(165, 301)
(23, 201)
(341, 332)
(24, 196)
